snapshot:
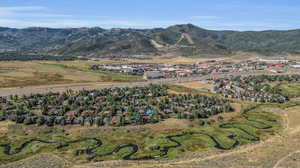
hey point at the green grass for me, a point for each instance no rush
(195, 142)
(289, 104)
(290, 90)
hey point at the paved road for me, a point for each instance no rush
(25, 91)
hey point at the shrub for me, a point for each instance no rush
(201, 123)
(28, 121)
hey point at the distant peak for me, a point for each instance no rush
(185, 26)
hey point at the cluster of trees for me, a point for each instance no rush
(256, 80)
(196, 106)
(255, 88)
(31, 57)
(112, 106)
(133, 71)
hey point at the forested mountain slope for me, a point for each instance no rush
(183, 40)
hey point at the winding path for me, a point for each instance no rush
(284, 158)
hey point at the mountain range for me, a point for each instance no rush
(181, 40)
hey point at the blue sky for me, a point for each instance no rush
(210, 14)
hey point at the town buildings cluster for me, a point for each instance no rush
(154, 70)
(157, 70)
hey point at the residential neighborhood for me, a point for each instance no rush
(112, 106)
(254, 88)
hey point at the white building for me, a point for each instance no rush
(296, 66)
(280, 61)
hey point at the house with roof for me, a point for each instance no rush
(153, 75)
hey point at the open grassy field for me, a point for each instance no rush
(290, 90)
(182, 60)
(197, 85)
(36, 73)
(181, 89)
(293, 116)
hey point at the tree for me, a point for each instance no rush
(201, 123)
(62, 121)
(50, 121)
(99, 122)
(190, 117)
(82, 121)
(20, 119)
(28, 121)
(44, 109)
(139, 118)
(40, 121)
(121, 121)
(179, 115)
(220, 118)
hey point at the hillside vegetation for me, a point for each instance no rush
(185, 40)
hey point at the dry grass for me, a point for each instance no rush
(229, 115)
(293, 116)
(165, 126)
(292, 161)
(198, 85)
(38, 73)
(42, 161)
(237, 107)
(4, 126)
(181, 60)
